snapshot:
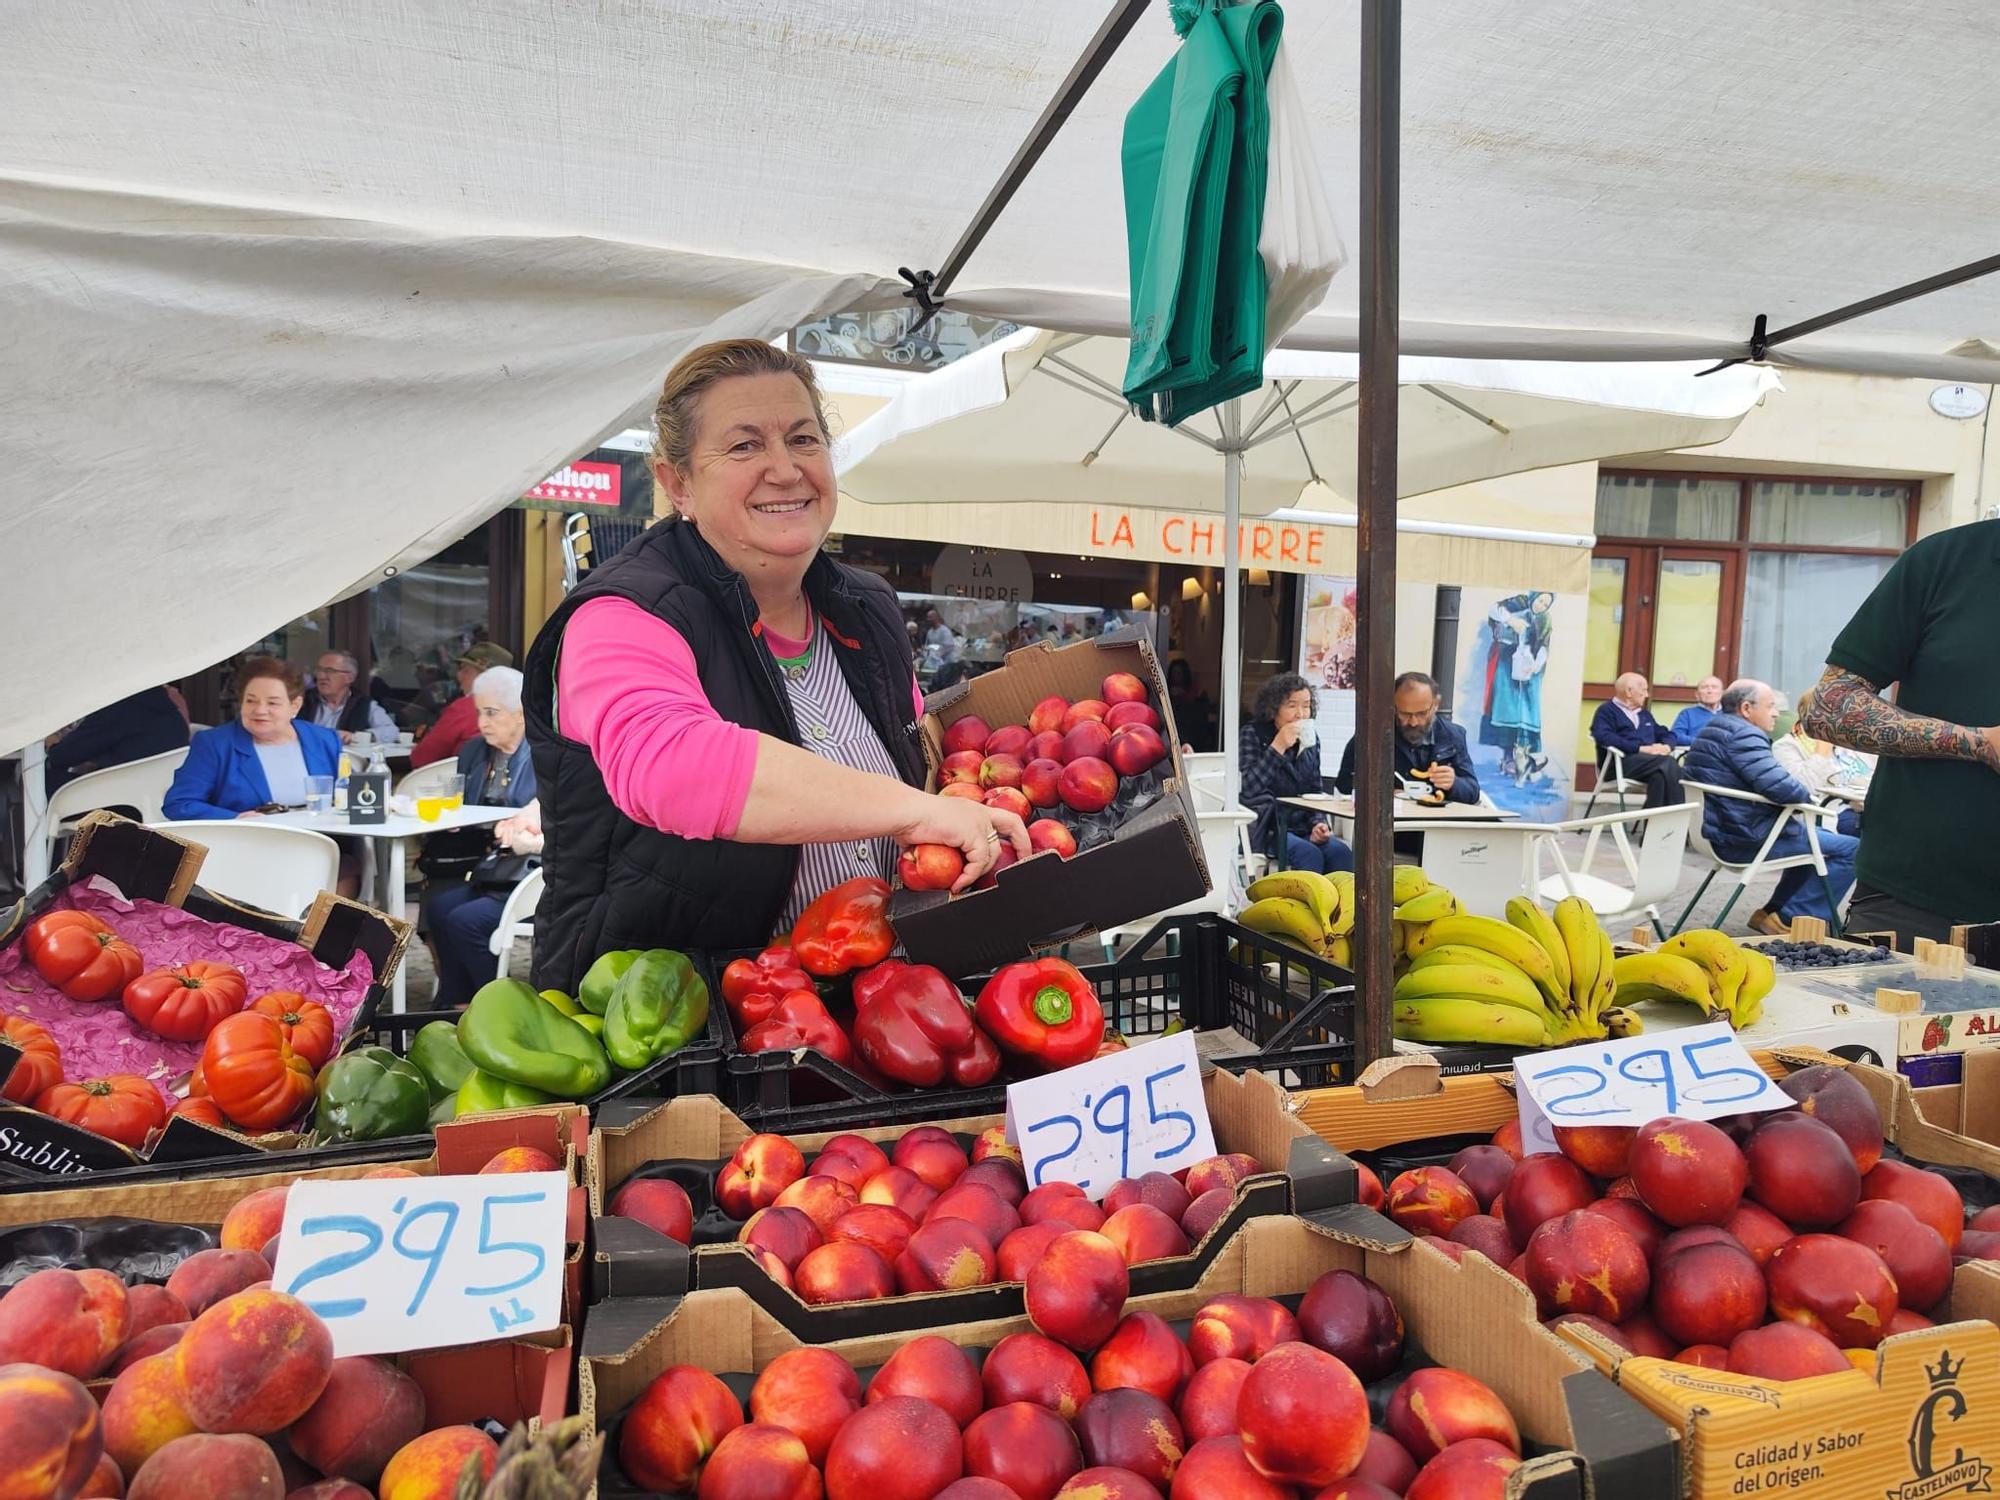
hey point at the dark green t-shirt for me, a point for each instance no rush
(1931, 835)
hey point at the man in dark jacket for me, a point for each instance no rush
(1624, 725)
(1734, 751)
(1427, 748)
(147, 723)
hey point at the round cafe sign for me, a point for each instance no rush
(983, 573)
(1960, 402)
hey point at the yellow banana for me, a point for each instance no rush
(1577, 923)
(1475, 1021)
(1496, 937)
(1409, 881)
(1472, 982)
(1432, 904)
(1531, 919)
(1280, 916)
(1619, 1021)
(1760, 976)
(1459, 953)
(1606, 992)
(1399, 942)
(1664, 976)
(1309, 888)
(1340, 950)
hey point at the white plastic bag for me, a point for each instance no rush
(1300, 243)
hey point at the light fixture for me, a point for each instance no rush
(1190, 588)
(1259, 578)
(1141, 602)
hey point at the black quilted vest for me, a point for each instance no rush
(613, 883)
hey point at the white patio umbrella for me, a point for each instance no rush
(1039, 416)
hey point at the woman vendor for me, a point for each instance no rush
(723, 718)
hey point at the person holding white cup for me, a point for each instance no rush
(1278, 756)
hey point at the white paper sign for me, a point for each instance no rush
(424, 1262)
(1700, 1073)
(1137, 1111)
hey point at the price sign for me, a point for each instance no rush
(422, 1262)
(1699, 1073)
(1137, 1111)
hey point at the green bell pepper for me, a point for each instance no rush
(482, 1093)
(603, 977)
(562, 1002)
(658, 1008)
(370, 1094)
(592, 1024)
(435, 1052)
(513, 1033)
(444, 1110)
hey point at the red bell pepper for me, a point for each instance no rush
(752, 987)
(799, 1020)
(1043, 1009)
(847, 928)
(912, 1026)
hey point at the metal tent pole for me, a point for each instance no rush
(1375, 538)
(1231, 417)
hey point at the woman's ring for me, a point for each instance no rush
(992, 836)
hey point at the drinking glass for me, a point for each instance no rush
(319, 794)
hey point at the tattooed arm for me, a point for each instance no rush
(1847, 709)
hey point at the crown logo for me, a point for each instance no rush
(1944, 1372)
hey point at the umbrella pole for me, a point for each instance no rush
(1231, 418)
(1375, 537)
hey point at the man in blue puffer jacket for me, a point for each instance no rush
(1734, 751)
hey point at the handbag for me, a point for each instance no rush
(502, 870)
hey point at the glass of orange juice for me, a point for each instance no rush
(439, 799)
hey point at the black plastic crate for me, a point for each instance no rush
(1293, 1013)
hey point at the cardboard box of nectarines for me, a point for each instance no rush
(1276, 1357)
(708, 1172)
(1050, 746)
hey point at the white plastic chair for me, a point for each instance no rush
(265, 865)
(1611, 778)
(427, 779)
(1809, 817)
(138, 784)
(517, 920)
(1652, 871)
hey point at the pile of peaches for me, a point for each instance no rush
(1252, 1401)
(1779, 1245)
(213, 1384)
(927, 1215)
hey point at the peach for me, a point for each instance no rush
(1237, 1327)
(207, 1276)
(1436, 1407)
(1207, 1211)
(1687, 1171)
(1303, 1417)
(148, 1306)
(788, 1233)
(1000, 1176)
(1915, 1253)
(1707, 1294)
(1353, 1319)
(144, 1411)
(1025, 1246)
(1064, 1202)
(1784, 1351)
(1837, 1099)
(858, 1148)
(1632, 1216)
(841, 1272)
(931, 1153)
(980, 1206)
(1076, 1292)
(1008, 739)
(992, 1142)
(1208, 1404)
(1031, 1367)
(218, 1467)
(936, 1370)
(50, 1432)
(759, 1459)
(1429, 1200)
(883, 1229)
(1802, 1171)
(893, 1448)
(368, 1410)
(1047, 715)
(1226, 1171)
(520, 1159)
(1134, 1430)
(427, 1467)
(1367, 1186)
(1476, 1469)
(1385, 1462)
(1142, 1233)
(1485, 1169)
(1143, 1353)
(1089, 1484)
(254, 1362)
(331, 1489)
(673, 1427)
(1544, 1186)
(1157, 1189)
(1508, 1139)
(762, 1167)
(1833, 1286)
(1928, 1195)
(1601, 1150)
(71, 1321)
(966, 732)
(901, 1188)
(809, 1392)
(253, 1219)
(106, 1482)
(945, 1255)
(1758, 1231)
(1583, 1262)
(821, 1199)
(659, 1203)
(1487, 1235)
(1704, 1356)
(1215, 1469)
(1026, 1447)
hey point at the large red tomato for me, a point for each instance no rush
(252, 1073)
(308, 1026)
(123, 1107)
(196, 1108)
(40, 1067)
(80, 955)
(184, 1004)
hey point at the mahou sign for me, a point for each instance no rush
(581, 483)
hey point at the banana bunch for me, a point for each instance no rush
(1307, 909)
(1704, 968)
(1530, 981)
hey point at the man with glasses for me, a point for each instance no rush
(332, 702)
(1427, 748)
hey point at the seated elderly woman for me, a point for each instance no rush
(461, 914)
(1278, 756)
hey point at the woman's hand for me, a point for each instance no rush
(1287, 735)
(1321, 832)
(972, 828)
(252, 813)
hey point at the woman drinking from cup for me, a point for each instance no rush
(1278, 756)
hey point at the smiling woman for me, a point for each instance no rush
(722, 717)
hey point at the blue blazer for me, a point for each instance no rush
(222, 776)
(475, 755)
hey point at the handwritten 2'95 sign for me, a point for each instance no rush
(1137, 1111)
(422, 1262)
(1699, 1073)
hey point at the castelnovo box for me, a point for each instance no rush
(1153, 863)
(1247, 1112)
(1472, 1317)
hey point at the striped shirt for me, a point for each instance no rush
(832, 726)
